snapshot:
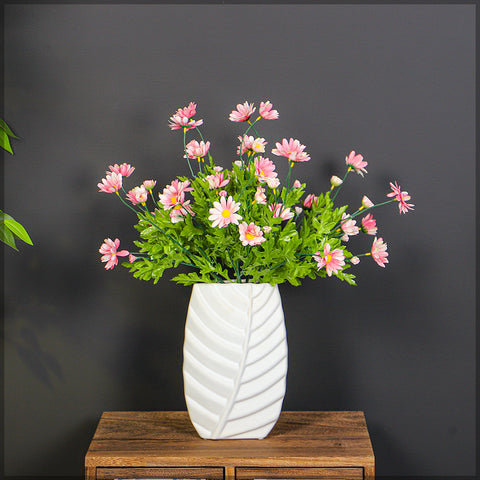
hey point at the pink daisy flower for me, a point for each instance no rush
(379, 251)
(333, 261)
(369, 225)
(174, 194)
(177, 122)
(349, 227)
(309, 200)
(260, 196)
(250, 234)
(197, 150)
(280, 211)
(182, 118)
(271, 182)
(264, 168)
(224, 212)
(188, 111)
(266, 111)
(138, 195)
(251, 143)
(179, 211)
(217, 180)
(292, 149)
(111, 184)
(109, 251)
(401, 197)
(124, 169)
(356, 162)
(242, 113)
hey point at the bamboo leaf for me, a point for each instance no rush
(5, 141)
(7, 129)
(7, 237)
(17, 229)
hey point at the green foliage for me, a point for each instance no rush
(217, 254)
(10, 229)
(5, 134)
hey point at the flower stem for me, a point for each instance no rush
(278, 265)
(363, 210)
(250, 126)
(287, 181)
(245, 186)
(185, 150)
(340, 186)
(235, 267)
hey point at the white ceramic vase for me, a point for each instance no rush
(235, 359)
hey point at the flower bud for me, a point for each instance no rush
(149, 184)
(336, 181)
(366, 202)
(355, 260)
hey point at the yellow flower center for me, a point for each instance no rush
(249, 236)
(226, 213)
(173, 199)
(177, 207)
(328, 258)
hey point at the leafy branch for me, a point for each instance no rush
(10, 229)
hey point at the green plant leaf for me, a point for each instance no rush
(17, 229)
(7, 237)
(5, 141)
(7, 129)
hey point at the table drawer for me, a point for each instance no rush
(345, 473)
(129, 473)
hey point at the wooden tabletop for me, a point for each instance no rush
(304, 439)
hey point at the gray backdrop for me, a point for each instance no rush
(90, 85)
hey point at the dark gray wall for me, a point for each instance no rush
(90, 85)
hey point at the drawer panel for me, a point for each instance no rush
(127, 473)
(333, 473)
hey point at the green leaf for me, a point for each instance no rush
(5, 141)
(17, 229)
(7, 237)
(7, 129)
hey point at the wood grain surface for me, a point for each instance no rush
(321, 440)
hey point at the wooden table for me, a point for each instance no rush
(302, 445)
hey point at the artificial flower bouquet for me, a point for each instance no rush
(242, 224)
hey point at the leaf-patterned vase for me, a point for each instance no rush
(235, 359)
